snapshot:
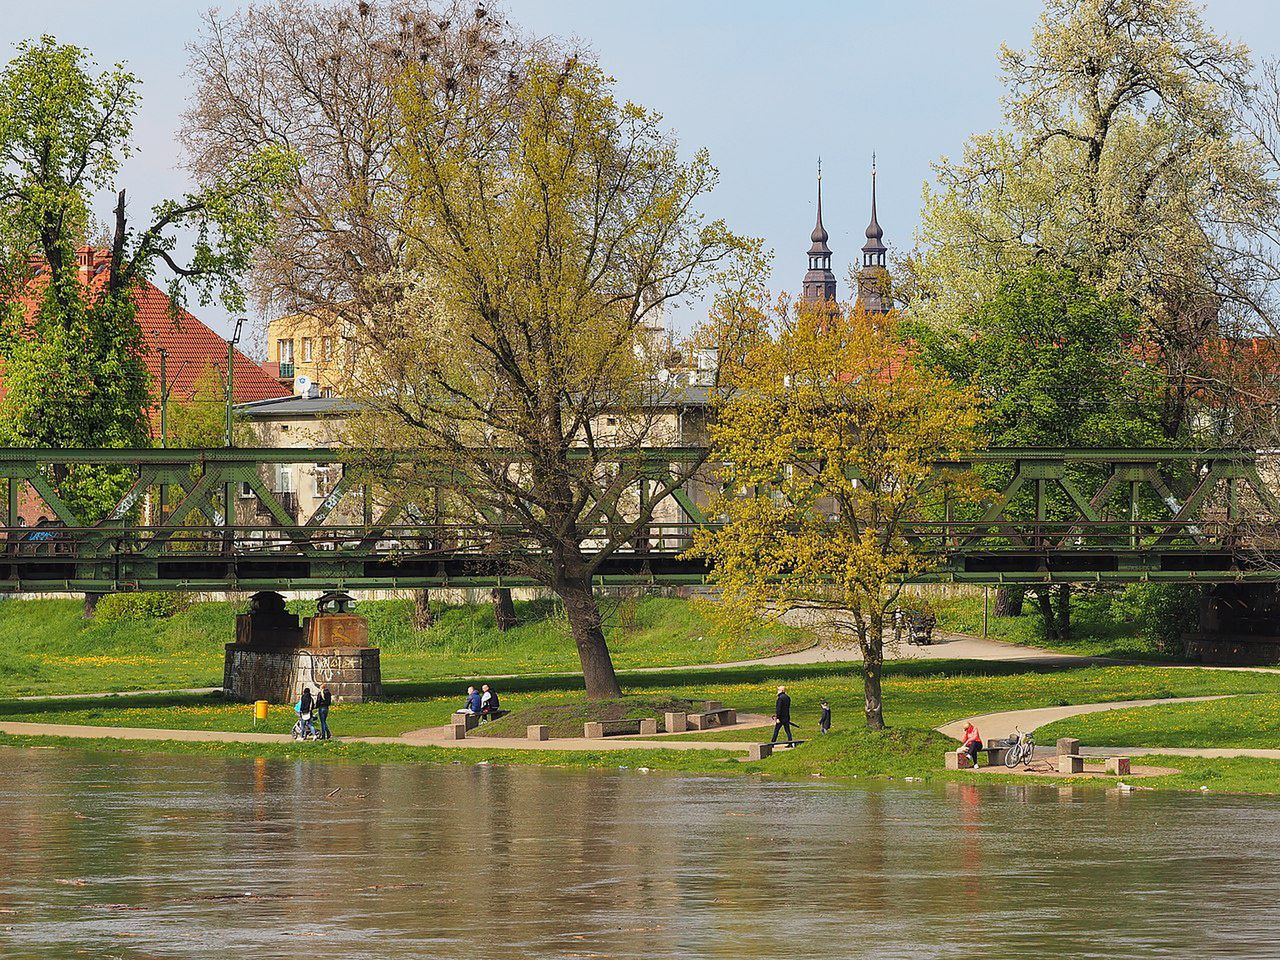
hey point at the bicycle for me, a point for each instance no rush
(1020, 750)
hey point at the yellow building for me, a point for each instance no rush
(305, 345)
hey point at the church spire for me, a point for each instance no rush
(819, 281)
(874, 289)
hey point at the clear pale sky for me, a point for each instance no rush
(766, 86)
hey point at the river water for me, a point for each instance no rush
(144, 857)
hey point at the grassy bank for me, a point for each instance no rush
(1103, 624)
(51, 649)
(919, 696)
(1246, 721)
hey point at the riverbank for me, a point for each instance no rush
(919, 696)
(50, 649)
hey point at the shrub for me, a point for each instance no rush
(129, 607)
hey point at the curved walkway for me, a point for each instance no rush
(1030, 719)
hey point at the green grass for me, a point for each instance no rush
(50, 649)
(1246, 721)
(1102, 625)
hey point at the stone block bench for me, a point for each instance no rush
(758, 751)
(597, 729)
(712, 717)
(995, 758)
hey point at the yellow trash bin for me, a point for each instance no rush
(260, 709)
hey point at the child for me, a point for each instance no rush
(824, 721)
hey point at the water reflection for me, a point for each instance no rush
(156, 857)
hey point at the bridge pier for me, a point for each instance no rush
(1238, 623)
(274, 657)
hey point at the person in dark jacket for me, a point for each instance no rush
(305, 706)
(824, 718)
(782, 715)
(473, 701)
(323, 702)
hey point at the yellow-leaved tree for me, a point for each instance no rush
(830, 449)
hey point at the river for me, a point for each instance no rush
(139, 857)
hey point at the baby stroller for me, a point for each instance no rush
(304, 728)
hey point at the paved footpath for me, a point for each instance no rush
(428, 737)
(1028, 720)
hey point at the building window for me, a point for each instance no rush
(284, 351)
(246, 491)
(326, 348)
(306, 349)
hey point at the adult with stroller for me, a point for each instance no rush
(304, 729)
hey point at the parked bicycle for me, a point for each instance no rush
(1021, 747)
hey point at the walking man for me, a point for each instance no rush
(324, 700)
(782, 715)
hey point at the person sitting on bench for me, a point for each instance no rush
(972, 744)
(473, 702)
(488, 702)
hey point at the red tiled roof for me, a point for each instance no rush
(192, 347)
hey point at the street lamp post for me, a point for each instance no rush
(231, 374)
(228, 503)
(164, 397)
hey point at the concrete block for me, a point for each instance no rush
(697, 721)
(468, 721)
(731, 718)
(1068, 746)
(1071, 763)
(958, 761)
(710, 706)
(456, 731)
(1118, 766)
(593, 730)
(676, 722)
(648, 728)
(758, 751)
(996, 755)
(537, 731)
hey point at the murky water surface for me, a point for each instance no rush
(112, 856)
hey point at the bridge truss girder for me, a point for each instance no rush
(1092, 516)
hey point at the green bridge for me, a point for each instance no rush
(230, 519)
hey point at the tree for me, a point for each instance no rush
(200, 420)
(1056, 364)
(829, 448)
(318, 77)
(544, 230)
(73, 370)
(1126, 158)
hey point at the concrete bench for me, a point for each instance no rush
(720, 717)
(468, 721)
(758, 751)
(675, 722)
(597, 729)
(537, 731)
(995, 757)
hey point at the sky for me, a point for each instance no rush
(767, 87)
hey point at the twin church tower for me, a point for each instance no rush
(874, 293)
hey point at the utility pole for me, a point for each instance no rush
(164, 397)
(231, 375)
(228, 503)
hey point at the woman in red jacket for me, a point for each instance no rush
(972, 743)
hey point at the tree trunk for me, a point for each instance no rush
(1009, 601)
(1064, 611)
(504, 609)
(872, 666)
(91, 604)
(588, 633)
(423, 618)
(1045, 599)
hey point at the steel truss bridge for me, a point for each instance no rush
(1206, 516)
